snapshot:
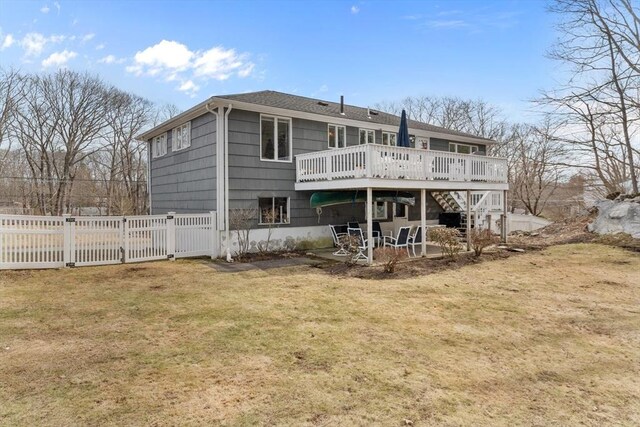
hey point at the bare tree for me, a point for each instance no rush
(600, 43)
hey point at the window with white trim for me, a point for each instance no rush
(456, 147)
(275, 138)
(399, 210)
(273, 210)
(367, 136)
(159, 145)
(389, 138)
(379, 210)
(181, 137)
(423, 143)
(337, 136)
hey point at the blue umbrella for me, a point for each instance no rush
(403, 133)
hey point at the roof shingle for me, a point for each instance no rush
(270, 98)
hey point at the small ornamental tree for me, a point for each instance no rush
(481, 239)
(448, 239)
(389, 258)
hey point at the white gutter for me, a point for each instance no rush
(226, 181)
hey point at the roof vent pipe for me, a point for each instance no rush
(342, 105)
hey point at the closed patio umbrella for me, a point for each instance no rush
(403, 133)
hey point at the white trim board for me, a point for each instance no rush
(405, 184)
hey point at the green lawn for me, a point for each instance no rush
(544, 338)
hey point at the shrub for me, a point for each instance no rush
(448, 240)
(242, 221)
(481, 239)
(389, 258)
(350, 244)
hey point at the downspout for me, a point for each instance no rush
(214, 111)
(149, 157)
(226, 181)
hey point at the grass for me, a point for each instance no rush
(550, 337)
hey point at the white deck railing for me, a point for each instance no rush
(379, 161)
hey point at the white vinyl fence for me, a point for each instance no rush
(68, 241)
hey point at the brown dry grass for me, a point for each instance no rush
(545, 338)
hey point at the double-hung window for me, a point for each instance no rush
(379, 210)
(455, 147)
(159, 145)
(367, 136)
(389, 138)
(275, 138)
(337, 136)
(274, 210)
(181, 137)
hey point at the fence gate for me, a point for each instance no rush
(95, 240)
(194, 236)
(146, 238)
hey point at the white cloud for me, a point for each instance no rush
(100, 46)
(168, 55)
(174, 61)
(59, 59)
(189, 87)
(220, 64)
(57, 5)
(88, 37)
(111, 59)
(7, 41)
(33, 43)
(45, 9)
(355, 9)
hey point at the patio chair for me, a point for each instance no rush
(378, 235)
(353, 225)
(338, 240)
(402, 241)
(360, 241)
(415, 240)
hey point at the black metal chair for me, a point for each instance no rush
(402, 241)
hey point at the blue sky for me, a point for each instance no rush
(370, 51)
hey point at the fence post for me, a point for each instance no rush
(125, 240)
(213, 237)
(67, 240)
(171, 236)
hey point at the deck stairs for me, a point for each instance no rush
(483, 204)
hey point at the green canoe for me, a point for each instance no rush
(330, 198)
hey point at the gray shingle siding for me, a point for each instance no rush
(251, 178)
(185, 181)
(443, 145)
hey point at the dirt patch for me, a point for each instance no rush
(267, 256)
(413, 267)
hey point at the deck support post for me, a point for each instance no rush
(423, 220)
(468, 230)
(369, 226)
(503, 218)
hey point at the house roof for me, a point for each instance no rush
(285, 101)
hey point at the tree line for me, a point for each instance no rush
(67, 141)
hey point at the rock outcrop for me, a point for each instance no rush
(618, 216)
